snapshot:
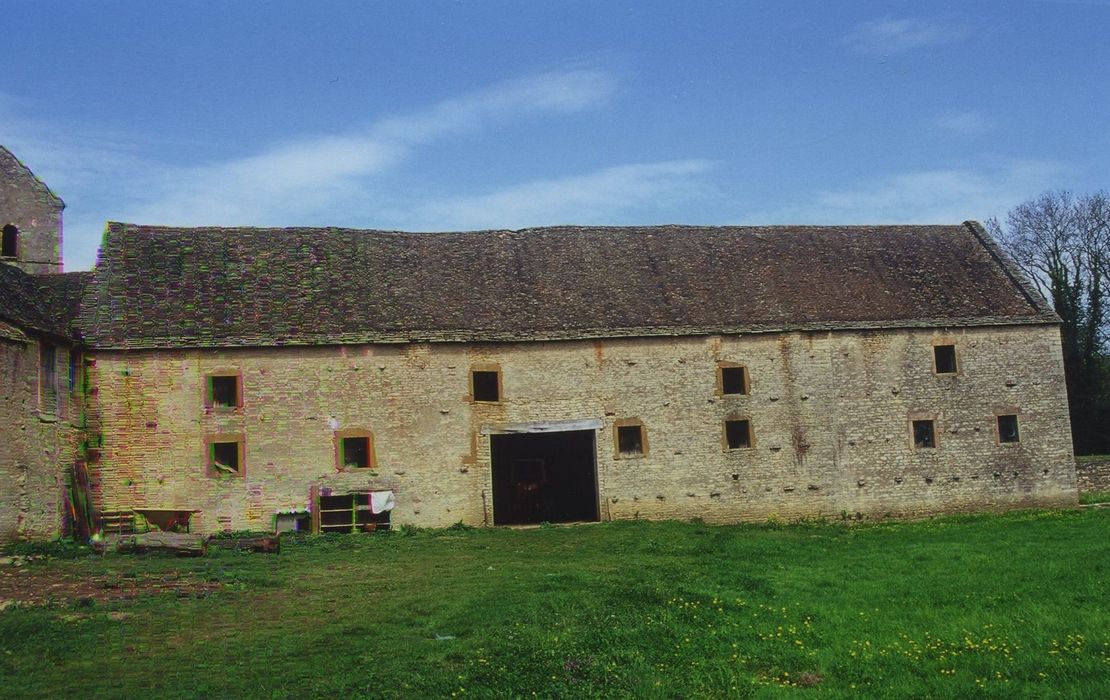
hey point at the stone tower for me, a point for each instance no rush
(31, 219)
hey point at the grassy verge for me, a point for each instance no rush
(972, 606)
(1091, 497)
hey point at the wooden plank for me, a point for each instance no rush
(546, 426)
(314, 499)
(179, 543)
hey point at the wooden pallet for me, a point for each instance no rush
(117, 522)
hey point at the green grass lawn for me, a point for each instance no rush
(1092, 497)
(997, 605)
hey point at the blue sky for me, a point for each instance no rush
(466, 115)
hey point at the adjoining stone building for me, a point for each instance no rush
(569, 374)
(39, 414)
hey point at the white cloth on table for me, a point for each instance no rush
(381, 501)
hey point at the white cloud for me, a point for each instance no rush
(602, 197)
(303, 177)
(890, 36)
(964, 124)
(104, 175)
(929, 196)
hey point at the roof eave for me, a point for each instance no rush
(469, 336)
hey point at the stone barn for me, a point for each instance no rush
(261, 378)
(572, 373)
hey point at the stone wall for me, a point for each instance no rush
(1093, 475)
(28, 205)
(38, 443)
(830, 415)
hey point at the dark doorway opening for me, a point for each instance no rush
(544, 477)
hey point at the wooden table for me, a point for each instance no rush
(166, 519)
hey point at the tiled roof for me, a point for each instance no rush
(44, 303)
(20, 300)
(169, 287)
(60, 298)
(10, 332)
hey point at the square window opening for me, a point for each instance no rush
(1008, 429)
(733, 381)
(223, 391)
(924, 434)
(225, 457)
(486, 385)
(355, 452)
(944, 357)
(630, 440)
(738, 434)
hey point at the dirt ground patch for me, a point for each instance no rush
(37, 584)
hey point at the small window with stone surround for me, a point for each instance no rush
(485, 383)
(944, 359)
(354, 449)
(631, 438)
(226, 456)
(738, 433)
(1008, 428)
(224, 391)
(732, 379)
(924, 434)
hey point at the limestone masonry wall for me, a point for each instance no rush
(1093, 475)
(36, 447)
(830, 415)
(35, 213)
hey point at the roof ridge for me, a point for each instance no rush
(122, 227)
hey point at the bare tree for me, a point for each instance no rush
(1063, 243)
